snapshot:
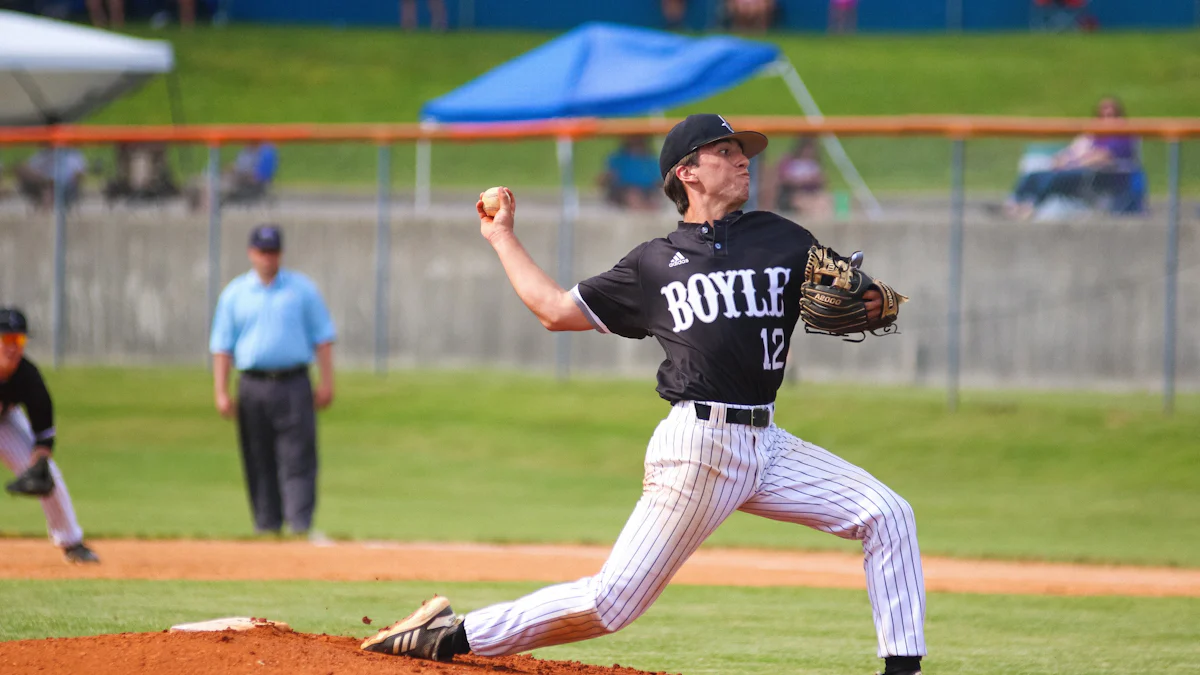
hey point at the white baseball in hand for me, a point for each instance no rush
(493, 199)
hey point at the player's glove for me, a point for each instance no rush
(831, 297)
(35, 481)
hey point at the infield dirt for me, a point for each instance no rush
(267, 650)
(367, 561)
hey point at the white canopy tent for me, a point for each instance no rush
(53, 72)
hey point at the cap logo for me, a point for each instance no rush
(725, 124)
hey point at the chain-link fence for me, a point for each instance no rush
(1024, 270)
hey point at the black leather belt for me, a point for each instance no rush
(755, 417)
(284, 374)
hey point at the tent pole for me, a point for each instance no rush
(60, 255)
(421, 198)
(213, 190)
(175, 103)
(833, 146)
(383, 250)
(566, 246)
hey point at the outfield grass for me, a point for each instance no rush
(693, 630)
(288, 74)
(501, 457)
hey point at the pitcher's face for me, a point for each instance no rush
(724, 170)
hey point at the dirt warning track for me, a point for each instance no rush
(370, 561)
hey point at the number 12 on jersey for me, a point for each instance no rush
(771, 358)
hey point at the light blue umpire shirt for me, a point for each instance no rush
(271, 327)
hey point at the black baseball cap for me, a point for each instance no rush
(267, 238)
(700, 130)
(12, 321)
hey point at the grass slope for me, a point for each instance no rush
(693, 630)
(291, 74)
(493, 456)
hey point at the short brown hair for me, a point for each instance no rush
(674, 188)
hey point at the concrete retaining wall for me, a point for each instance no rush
(1062, 305)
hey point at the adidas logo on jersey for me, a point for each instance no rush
(677, 260)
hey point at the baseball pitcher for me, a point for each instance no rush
(722, 295)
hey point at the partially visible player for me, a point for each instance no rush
(27, 438)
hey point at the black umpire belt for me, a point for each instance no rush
(755, 417)
(285, 374)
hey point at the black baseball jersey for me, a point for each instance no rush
(26, 387)
(721, 298)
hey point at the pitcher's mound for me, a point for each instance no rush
(260, 650)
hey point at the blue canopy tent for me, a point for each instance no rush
(604, 70)
(611, 70)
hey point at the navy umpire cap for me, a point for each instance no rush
(12, 321)
(267, 238)
(700, 130)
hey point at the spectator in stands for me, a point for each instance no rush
(674, 12)
(142, 173)
(246, 180)
(750, 15)
(843, 16)
(437, 14)
(631, 179)
(1101, 162)
(801, 183)
(115, 18)
(35, 178)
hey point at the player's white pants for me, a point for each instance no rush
(698, 472)
(16, 448)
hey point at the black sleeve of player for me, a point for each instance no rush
(38, 405)
(612, 301)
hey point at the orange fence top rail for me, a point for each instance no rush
(960, 126)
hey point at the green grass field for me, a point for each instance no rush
(693, 630)
(494, 456)
(501, 457)
(376, 75)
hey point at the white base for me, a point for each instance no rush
(230, 623)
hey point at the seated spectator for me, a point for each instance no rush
(246, 180)
(750, 15)
(674, 12)
(1102, 163)
(632, 179)
(35, 178)
(142, 173)
(437, 14)
(801, 183)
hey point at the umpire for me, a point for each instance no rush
(269, 323)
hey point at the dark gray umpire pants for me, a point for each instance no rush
(277, 428)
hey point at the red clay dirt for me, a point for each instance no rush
(267, 650)
(261, 650)
(367, 561)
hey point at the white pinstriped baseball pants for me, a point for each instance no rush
(16, 448)
(698, 472)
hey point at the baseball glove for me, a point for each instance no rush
(34, 481)
(831, 297)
